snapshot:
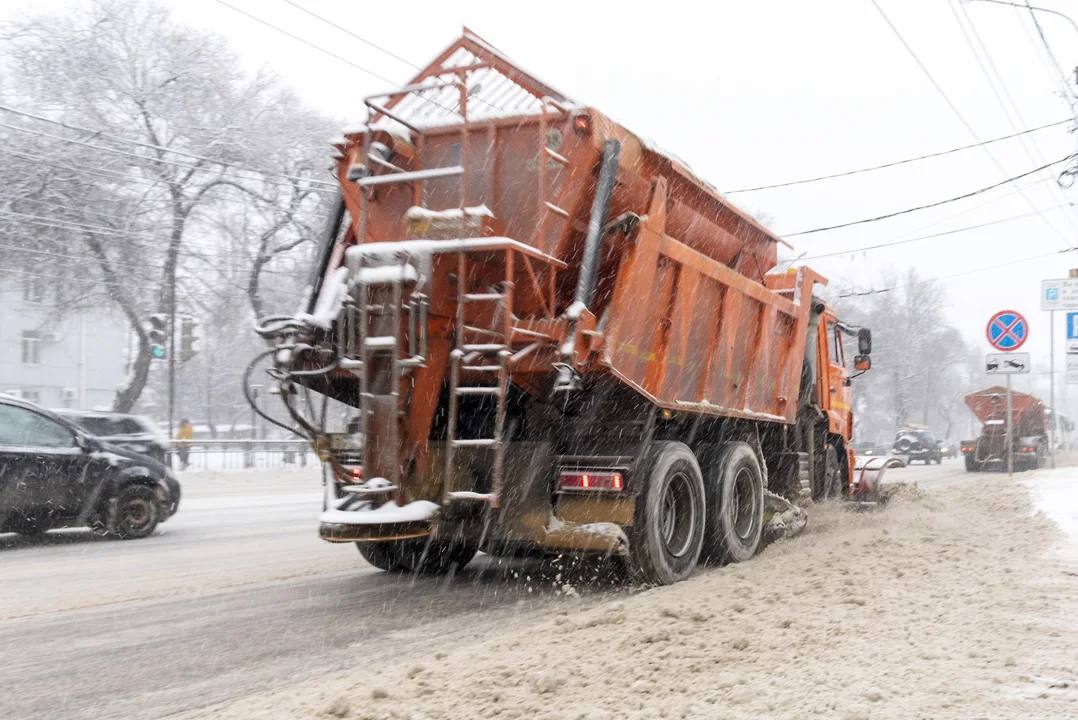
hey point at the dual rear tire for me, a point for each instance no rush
(686, 513)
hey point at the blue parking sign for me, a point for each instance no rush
(1072, 326)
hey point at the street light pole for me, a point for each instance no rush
(1026, 6)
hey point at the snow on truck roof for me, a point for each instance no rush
(497, 87)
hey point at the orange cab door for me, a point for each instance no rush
(837, 401)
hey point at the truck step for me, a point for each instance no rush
(483, 347)
(483, 297)
(478, 390)
(380, 342)
(476, 442)
(481, 368)
(483, 331)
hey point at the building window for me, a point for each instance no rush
(70, 395)
(31, 347)
(33, 396)
(33, 290)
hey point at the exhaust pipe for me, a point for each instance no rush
(589, 264)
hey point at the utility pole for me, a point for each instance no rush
(171, 356)
(1052, 386)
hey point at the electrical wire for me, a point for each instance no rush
(345, 30)
(897, 163)
(261, 177)
(1010, 108)
(905, 241)
(954, 108)
(960, 274)
(956, 198)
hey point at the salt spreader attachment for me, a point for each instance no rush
(555, 337)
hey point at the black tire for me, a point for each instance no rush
(903, 445)
(668, 529)
(830, 480)
(417, 555)
(29, 526)
(136, 513)
(735, 505)
(971, 464)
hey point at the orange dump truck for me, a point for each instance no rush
(1025, 436)
(556, 338)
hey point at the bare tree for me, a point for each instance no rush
(140, 136)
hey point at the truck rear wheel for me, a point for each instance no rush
(971, 464)
(417, 555)
(735, 505)
(668, 530)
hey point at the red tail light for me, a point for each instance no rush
(591, 480)
(356, 472)
(1029, 449)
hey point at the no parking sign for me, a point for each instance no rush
(1007, 330)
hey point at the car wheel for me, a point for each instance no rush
(136, 514)
(668, 530)
(28, 526)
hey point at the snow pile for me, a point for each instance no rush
(943, 605)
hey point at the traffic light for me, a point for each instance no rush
(190, 335)
(158, 335)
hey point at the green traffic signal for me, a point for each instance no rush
(158, 352)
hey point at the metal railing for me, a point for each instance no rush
(241, 454)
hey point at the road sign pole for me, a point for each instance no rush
(1052, 386)
(1010, 428)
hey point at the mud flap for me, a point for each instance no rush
(782, 519)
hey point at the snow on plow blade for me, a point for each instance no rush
(388, 521)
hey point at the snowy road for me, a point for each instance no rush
(233, 594)
(236, 596)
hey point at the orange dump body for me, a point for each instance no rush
(684, 309)
(1028, 414)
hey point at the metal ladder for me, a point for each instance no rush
(364, 347)
(546, 208)
(483, 350)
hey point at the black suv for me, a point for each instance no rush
(917, 444)
(53, 474)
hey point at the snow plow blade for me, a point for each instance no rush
(867, 485)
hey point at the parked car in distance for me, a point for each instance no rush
(869, 449)
(917, 444)
(131, 432)
(54, 474)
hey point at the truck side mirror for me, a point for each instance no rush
(864, 343)
(862, 363)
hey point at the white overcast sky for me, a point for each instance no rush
(753, 92)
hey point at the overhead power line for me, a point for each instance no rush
(954, 108)
(974, 271)
(139, 143)
(946, 201)
(896, 163)
(306, 42)
(345, 30)
(905, 241)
